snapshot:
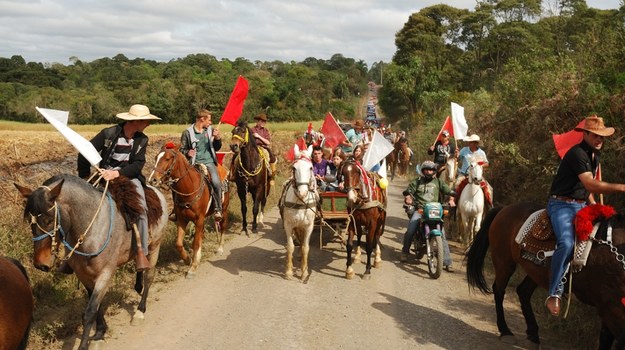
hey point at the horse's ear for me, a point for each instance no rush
(309, 151)
(24, 191)
(56, 190)
(296, 151)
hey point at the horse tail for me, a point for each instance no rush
(477, 252)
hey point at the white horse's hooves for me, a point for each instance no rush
(349, 276)
(190, 275)
(96, 344)
(366, 276)
(220, 251)
(137, 318)
(288, 276)
(377, 264)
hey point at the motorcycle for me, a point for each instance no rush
(428, 240)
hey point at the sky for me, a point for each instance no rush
(52, 31)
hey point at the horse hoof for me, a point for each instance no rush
(349, 275)
(137, 318)
(220, 251)
(288, 276)
(190, 275)
(377, 264)
(96, 344)
(366, 276)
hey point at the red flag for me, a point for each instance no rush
(447, 125)
(290, 154)
(565, 141)
(220, 157)
(332, 132)
(234, 108)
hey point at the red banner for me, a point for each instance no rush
(234, 108)
(332, 132)
(290, 154)
(565, 141)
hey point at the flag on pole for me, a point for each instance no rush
(290, 154)
(446, 126)
(458, 121)
(234, 108)
(565, 141)
(58, 119)
(378, 149)
(332, 132)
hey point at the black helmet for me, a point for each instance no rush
(428, 165)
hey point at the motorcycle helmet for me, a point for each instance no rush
(428, 165)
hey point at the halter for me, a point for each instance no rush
(170, 181)
(57, 228)
(244, 140)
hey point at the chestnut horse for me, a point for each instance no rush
(369, 212)
(250, 174)
(601, 283)
(402, 154)
(192, 201)
(68, 212)
(16, 305)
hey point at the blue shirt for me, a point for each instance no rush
(464, 157)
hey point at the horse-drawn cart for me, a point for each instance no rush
(333, 215)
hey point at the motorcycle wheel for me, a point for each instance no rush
(435, 258)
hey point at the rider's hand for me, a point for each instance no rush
(431, 148)
(191, 153)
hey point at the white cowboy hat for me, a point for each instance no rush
(472, 138)
(137, 112)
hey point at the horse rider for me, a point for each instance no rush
(199, 143)
(122, 148)
(263, 139)
(400, 139)
(466, 154)
(354, 136)
(573, 186)
(442, 150)
(422, 190)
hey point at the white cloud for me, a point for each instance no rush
(266, 30)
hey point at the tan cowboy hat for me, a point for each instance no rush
(595, 125)
(472, 138)
(137, 112)
(261, 116)
(358, 123)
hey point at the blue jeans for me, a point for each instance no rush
(216, 184)
(142, 221)
(413, 225)
(561, 214)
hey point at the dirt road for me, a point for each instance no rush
(241, 301)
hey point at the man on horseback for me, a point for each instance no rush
(466, 154)
(573, 186)
(122, 148)
(263, 139)
(354, 136)
(199, 143)
(425, 189)
(442, 149)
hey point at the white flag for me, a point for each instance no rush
(382, 171)
(58, 119)
(458, 121)
(378, 149)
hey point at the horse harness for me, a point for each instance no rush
(302, 202)
(171, 182)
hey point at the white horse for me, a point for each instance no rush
(448, 174)
(298, 208)
(471, 203)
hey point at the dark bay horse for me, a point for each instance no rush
(68, 212)
(192, 199)
(250, 174)
(16, 305)
(364, 214)
(601, 283)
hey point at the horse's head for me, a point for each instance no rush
(42, 211)
(351, 180)
(450, 166)
(165, 162)
(475, 171)
(241, 136)
(303, 176)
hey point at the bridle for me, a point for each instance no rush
(171, 182)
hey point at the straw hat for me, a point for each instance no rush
(137, 112)
(261, 116)
(472, 138)
(358, 123)
(595, 125)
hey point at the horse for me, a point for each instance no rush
(601, 283)
(298, 209)
(16, 305)
(67, 211)
(471, 203)
(391, 161)
(370, 213)
(402, 152)
(447, 172)
(250, 174)
(192, 199)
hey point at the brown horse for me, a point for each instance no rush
(391, 163)
(68, 213)
(16, 305)
(192, 201)
(369, 213)
(250, 174)
(601, 283)
(402, 153)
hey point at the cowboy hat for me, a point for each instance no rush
(358, 123)
(261, 116)
(137, 112)
(472, 138)
(595, 125)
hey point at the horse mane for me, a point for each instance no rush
(251, 139)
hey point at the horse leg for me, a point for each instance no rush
(305, 248)
(93, 313)
(290, 247)
(196, 246)
(349, 271)
(378, 233)
(261, 215)
(525, 291)
(255, 209)
(180, 231)
(606, 338)
(371, 243)
(241, 192)
(503, 272)
(147, 279)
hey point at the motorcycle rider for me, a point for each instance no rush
(422, 190)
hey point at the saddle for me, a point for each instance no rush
(537, 240)
(126, 198)
(488, 191)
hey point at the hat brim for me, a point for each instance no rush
(128, 116)
(601, 132)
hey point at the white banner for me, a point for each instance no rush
(378, 149)
(458, 121)
(58, 119)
